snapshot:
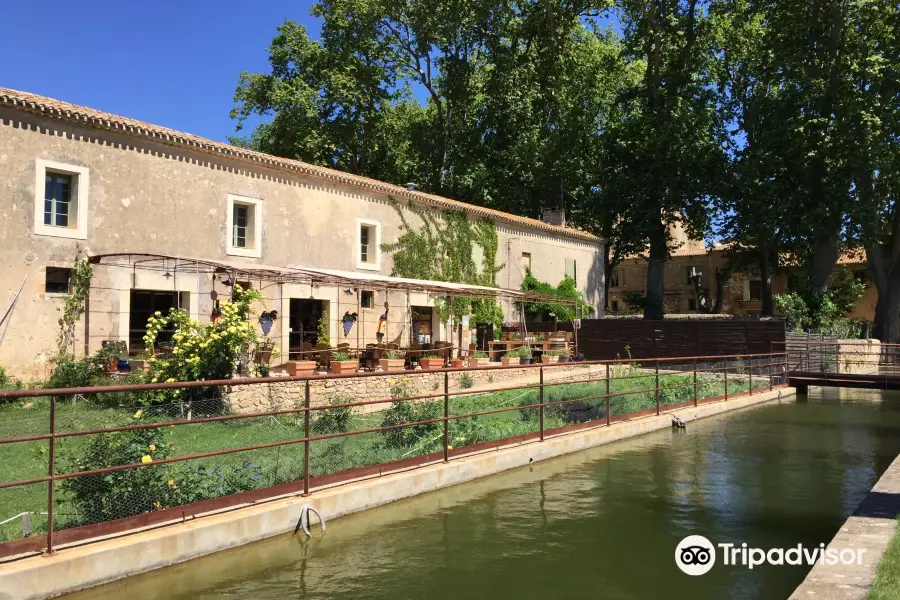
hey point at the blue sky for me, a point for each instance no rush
(166, 62)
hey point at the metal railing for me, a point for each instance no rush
(96, 485)
(843, 357)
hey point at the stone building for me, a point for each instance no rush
(72, 176)
(744, 290)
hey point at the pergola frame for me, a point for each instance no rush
(239, 270)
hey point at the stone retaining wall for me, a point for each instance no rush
(247, 399)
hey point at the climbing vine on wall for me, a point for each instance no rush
(562, 311)
(441, 249)
(75, 301)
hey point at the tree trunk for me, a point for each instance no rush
(826, 256)
(723, 276)
(610, 261)
(765, 275)
(886, 277)
(656, 264)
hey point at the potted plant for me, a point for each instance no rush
(551, 356)
(516, 356)
(457, 363)
(479, 359)
(341, 363)
(111, 353)
(563, 356)
(300, 368)
(393, 361)
(431, 361)
(524, 355)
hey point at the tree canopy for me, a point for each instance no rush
(770, 126)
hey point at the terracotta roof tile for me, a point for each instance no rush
(57, 109)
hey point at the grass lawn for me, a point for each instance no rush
(272, 466)
(887, 579)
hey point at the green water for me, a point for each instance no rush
(600, 524)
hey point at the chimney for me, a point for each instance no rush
(554, 217)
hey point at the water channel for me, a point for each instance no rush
(600, 524)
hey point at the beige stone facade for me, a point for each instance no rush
(140, 189)
(742, 293)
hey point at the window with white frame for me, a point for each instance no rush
(60, 199)
(368, 244)
(244, 235)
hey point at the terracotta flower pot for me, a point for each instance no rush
(431, 363)
(339, 367)
(456, 363)
(479, 362)
(112, 365)
(300, 368)
(391, 364)
(506, 361)
(547, 360)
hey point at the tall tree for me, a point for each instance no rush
(663, 156)
(876, 155)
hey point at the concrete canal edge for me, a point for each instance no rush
(89, 564)
(871, 526)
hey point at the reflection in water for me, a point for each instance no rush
(600, 524)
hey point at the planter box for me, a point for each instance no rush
(549, 360)
(456, 363)
(300, 368)
(479, 362)
(339, 367)
(139, 366)
(431, 363)
(391, 364)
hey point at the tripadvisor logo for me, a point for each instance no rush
(696, 555)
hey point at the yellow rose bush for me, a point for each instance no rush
(202, 351)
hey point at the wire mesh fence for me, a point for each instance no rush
(136, 452)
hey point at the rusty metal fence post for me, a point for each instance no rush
(542, 403)
(306, 444)
(695, 382)
(51, 485)
(750, 381)
(726, 378)
(607, 394)
(657, 387)
(446, 416)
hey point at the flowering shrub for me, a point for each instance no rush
(203, 351)
(128, 492)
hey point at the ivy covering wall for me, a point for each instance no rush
(442, 250)
(538, 311)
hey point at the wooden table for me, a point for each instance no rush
(497, 348)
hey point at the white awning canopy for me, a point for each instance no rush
(238, 270)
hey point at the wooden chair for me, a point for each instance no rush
(263, 353)
(414, 354)
(306, 351)
(323, 355)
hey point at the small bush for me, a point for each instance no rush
(71, 372)
(466, 381)
(480, 354)
(393, 354)
(335, 419)
(340, 356)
